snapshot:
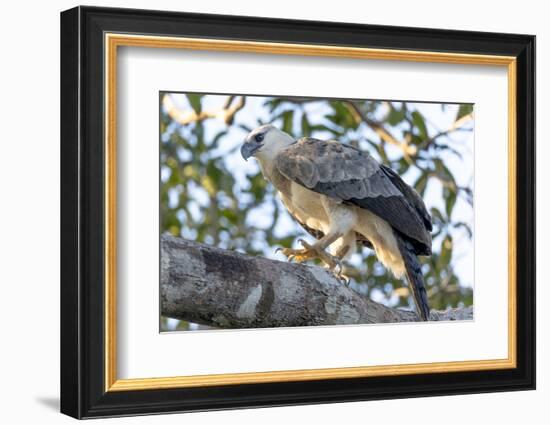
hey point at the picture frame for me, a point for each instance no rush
(90, 40)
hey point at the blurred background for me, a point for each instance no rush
(209, 194)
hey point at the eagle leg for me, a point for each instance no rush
(340, 255)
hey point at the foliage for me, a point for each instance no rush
(210, 195)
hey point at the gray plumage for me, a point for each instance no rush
(347, 174)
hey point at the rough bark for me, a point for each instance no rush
(227, 289)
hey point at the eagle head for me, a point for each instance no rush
(265, 142)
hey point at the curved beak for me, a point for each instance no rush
(249, 149)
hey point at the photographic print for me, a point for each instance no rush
(311, 231)
(374, 197)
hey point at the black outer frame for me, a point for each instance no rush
(82, 217)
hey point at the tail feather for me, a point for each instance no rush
(414, 277)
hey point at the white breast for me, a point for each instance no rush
(306, 206)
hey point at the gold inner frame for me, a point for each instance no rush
(113, 41)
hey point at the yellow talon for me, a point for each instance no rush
(309, 252)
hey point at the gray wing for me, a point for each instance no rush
(344, 173)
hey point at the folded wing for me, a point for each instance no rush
(347, 174)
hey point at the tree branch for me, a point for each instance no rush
(355, 109)
(227, 113)
(227, 289)
(409, 150)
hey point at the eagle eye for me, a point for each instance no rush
(259, 137)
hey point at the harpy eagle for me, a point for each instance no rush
(343, 196)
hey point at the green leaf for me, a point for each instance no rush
(463, 110)
(446, 252)
(395, 116)
(418, 121)
(465, 227)
(444, 174)
(342, 116)
(231, 215)
(305, 126)
(214, 172)
(195, 102)
(272, 103)
(450, 202)
(421, 184)
(435, 213)
(287, 121)
(318, 127)
(216, 140)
